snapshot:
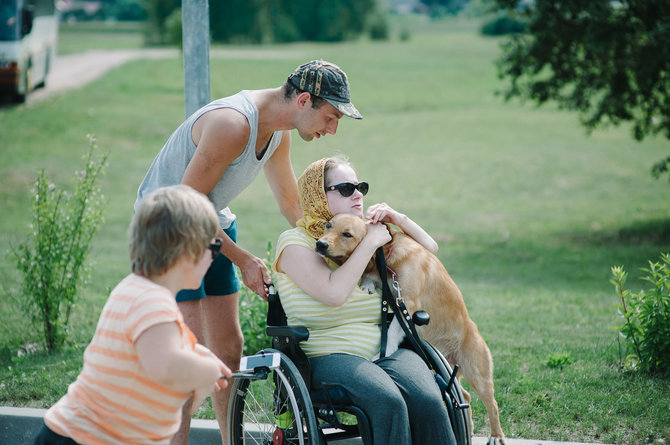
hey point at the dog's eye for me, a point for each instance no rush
(346, 235)
(328, 225)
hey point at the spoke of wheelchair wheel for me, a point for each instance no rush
(262, 410)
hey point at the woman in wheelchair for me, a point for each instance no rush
(398, 393)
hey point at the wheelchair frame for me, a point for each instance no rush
(275, 406)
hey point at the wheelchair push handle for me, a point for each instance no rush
(273, 295)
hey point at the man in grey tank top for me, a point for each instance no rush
(218, 151)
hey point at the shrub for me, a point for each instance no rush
(253, 310)
(646, 317)
(502, 26)
(378, 26)
(252, 320)
(173, 28)
(51, 259)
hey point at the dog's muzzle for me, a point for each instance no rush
(321, 247)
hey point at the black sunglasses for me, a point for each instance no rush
(215, 247)
(347, 188)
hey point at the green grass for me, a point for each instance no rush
(529, 211)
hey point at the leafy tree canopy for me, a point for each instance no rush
(264, 21)
(608, 60)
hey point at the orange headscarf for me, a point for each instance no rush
(311, 189)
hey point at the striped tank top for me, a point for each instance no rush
(113, 400)
(353, 328)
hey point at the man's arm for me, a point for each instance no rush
(281, 178)
(221, 136)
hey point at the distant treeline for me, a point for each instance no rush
(261, 21)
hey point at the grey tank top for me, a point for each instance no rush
(170, 164)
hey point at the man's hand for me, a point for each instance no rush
(255, 275)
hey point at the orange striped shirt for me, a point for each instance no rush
(113, 401)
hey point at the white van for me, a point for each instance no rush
(28, 38)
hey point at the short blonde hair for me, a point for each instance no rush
(169, 223)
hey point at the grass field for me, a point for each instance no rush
(530, 214)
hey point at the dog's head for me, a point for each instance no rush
(341, 236)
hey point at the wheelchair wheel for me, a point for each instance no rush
(272, 407)
(459, 416)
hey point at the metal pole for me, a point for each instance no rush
(195, 38)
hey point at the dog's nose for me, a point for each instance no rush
(321, 246)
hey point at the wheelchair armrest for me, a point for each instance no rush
(296, 333)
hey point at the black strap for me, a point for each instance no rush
(386, 319)
(404, 318)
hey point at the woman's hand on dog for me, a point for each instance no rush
(383, 213)
(378, 234)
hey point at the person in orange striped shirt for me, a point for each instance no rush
(143, 362)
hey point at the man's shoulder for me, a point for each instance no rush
(225, 115)
(224, 124)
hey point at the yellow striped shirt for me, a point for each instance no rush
(113, 401)
(353, 328)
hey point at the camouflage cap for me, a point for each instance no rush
(327, 81)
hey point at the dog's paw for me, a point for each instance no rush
(395, 337)
(367, 286)
(495, 441)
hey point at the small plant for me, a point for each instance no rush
(51, 259)
(646, 317)
(559, 360)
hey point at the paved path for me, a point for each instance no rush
(19, 425)
(75, 70)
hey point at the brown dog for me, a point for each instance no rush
(425, 285)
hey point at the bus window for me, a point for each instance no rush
(9, 20)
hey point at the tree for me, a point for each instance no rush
(441, 7)
(608, 60)
(263, 21)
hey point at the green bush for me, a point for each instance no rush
(51, 259)
(646, 317)
(502, 26)
(252, 320)
(173, 28)
(253, 311)
(378, 26)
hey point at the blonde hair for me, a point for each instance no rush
(169, 223)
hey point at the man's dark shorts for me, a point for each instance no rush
(220, 279)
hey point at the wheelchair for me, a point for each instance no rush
(275, 405)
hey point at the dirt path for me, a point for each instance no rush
(75, 70)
